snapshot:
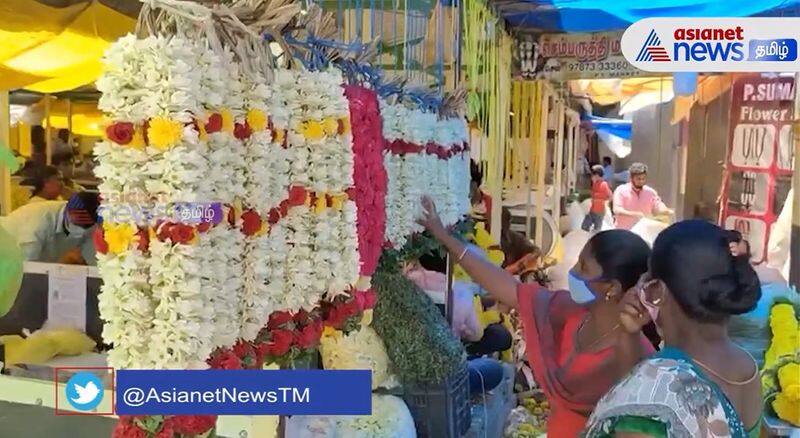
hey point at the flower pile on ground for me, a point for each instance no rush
(781, 379)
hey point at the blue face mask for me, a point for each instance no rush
(579, 289)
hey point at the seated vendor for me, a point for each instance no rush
(56, 231)
(47, 185)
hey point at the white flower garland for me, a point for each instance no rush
(182, 332)
(412, 175)
(126, 304)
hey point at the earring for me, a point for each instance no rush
(609, 296)
(657, 301)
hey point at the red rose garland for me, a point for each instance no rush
(369, 175)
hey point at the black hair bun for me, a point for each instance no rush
(694, 261)
(736, 293)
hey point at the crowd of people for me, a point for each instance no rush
(587, 346)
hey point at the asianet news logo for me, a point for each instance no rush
(724, 44)
(712, 44)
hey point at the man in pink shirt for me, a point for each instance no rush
(635, 200)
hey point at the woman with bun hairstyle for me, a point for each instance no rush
(571, 337)
(700, 384)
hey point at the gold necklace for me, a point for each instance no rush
(731, 382)
(578, 335)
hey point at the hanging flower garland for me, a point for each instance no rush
(369, 175)
(424, 156)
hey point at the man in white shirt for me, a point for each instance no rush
(49, 231)
(780, 236)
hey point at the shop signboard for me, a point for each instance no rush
(760, 157)
(563, 57)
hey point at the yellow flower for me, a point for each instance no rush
(789, 378)
(366, 318)
(138, 140)
(337, 201)
(345, 125)
(280, 134)
(785, 337)
(330, 332)
(330, 125)
(163, 133)
(320, 205)
(312, 130)
(227, 120)
(787, 409)
(201, 130)
(118, 236)
(257, 120)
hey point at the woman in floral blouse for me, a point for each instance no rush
(700, 384)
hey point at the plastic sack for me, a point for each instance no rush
(573, 244)
(359, 350)
(43, 345)
(752, 331)
(11, 259)
(649, 229)
(390, 419)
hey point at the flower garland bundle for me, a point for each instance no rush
(289, 337)
(782, 364)
(425, 156)
(361, 349)
(184, 325)
(126, 302)
(153, 155)
(348, 313)
(369, 175)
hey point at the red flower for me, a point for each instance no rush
(202, 227)
(230, 362)
(336, 318)
(243, 349)
(125, 428)
(214, 123)
(309, 336)
(302, 317)
(370, 298)
(232, 216)
(242, 131)
(278, 319)
(351, 308)
(99, 239)
(120, 132)
(297, 196)
(180, 233)
(281, 342)
(251, 223)
(274, 216)
(144, 240)
(193, 424)
(431, 149)
(283, 208)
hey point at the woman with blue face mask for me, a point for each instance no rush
(572, 337)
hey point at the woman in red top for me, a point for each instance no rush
(573, 338)
(601, 193)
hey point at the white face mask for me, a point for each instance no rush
(75, 231)
(579, 289)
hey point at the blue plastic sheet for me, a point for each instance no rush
(616, 127)
(595, 16)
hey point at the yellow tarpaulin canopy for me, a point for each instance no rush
(49, 49)
(632, 94)
(709, 88)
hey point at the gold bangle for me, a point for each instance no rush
(463, 253)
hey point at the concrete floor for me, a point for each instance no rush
(26, 421)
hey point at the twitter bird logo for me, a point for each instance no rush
(84, 391)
